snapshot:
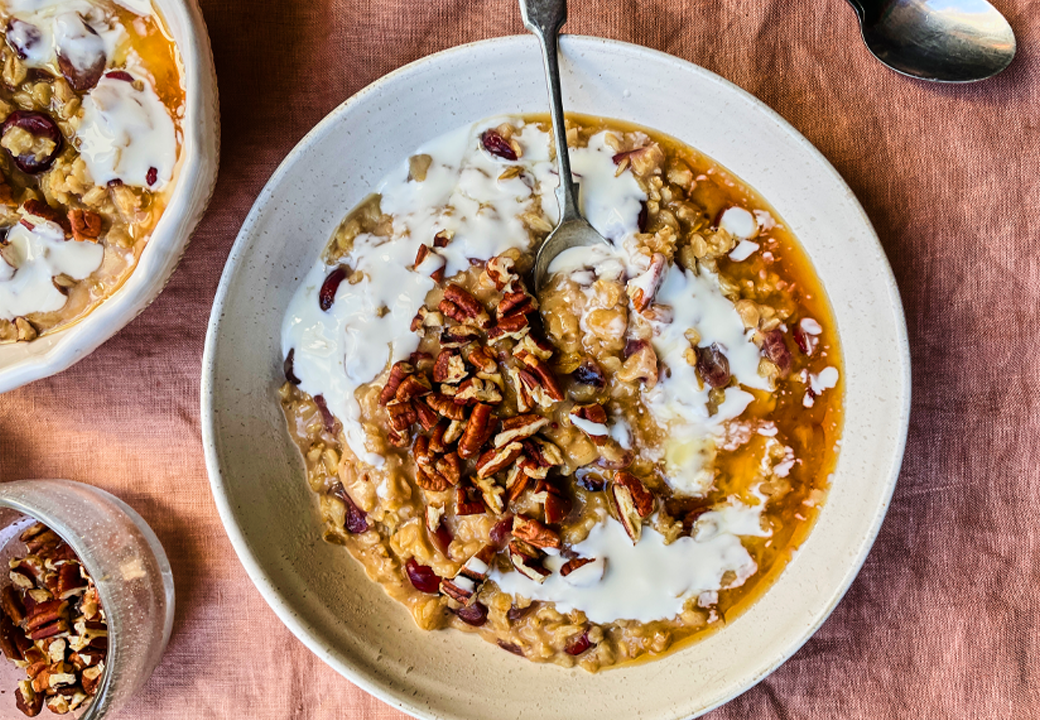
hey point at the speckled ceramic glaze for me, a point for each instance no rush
(21, 363)
(322, 594)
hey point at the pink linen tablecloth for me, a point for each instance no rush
(942, 621)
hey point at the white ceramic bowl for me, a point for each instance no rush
(21, 363)
(322, 594)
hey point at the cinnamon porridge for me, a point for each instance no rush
(90, 105)
(588, 476)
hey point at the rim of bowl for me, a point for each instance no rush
(310, 636)
(101, 704)
(200, 158)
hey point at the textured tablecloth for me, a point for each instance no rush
(942, 621)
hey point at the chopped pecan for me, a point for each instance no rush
(450, 367)
(402, 415)
(482, 359)
(519, 427)
(544, 452)
(450, 467)
(492, 494)
(459, 304)
(517, 481)
(445, 406)
(641, 365)
(86, 225)
(459, 588)
(398, 373)
(427, 417)
(475, 390)
(527, 560)
(421, 254)
(573, 564)
(534, 533)
(468, 501)
(426, 318)
(429, 479)
(479, 565)
(498, 459)
(412, 386)
(479, 428)
(545, 375)
(516, 303)
(642, 498)
(556, 504)
(524, 401)
(458, 335)
(455, 430)
(500, 273)
(512, 327)
(537, 346)
(643, 289)
(442, 238)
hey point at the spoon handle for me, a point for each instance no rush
(544, 18)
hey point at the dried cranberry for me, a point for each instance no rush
(713, 366)
(497, 145)
(776, 350)
(22, 36)
(39, 125)
(515, 614)
(634, 346)
(326, 415)
(355, 520)
(510, 647)
(152, 176)
(643, 217)
(802, 340)
(590, 373)
(120, 75)
(580, 645)
(287, 368)
(327, 294)
(502, 531)
(475, 614)
(423, 578)
(81, 54)
(557, 506)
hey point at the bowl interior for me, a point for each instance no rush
(257, 475)
(21, 363)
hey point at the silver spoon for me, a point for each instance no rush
(951, 41)
(544, 18)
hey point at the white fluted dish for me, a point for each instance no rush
(257, 476)
(21, 363)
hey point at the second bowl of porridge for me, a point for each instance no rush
(653, 459)
(107, 157)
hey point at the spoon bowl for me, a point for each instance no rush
(952, 41)
(544, 18)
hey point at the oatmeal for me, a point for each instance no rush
(90, 106)
(592, 475)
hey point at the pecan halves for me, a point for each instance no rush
(498, 459)
(444, 405)
(633, 502)
(519, 427)
(534, 533)
(512, 327)
(460, 305)
(449, 367)
(527, 560)
(516, 303)
(398, 373)
(86, 225)
(478, 430)
(546, 380)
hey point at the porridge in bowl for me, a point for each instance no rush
(588, 476)
(90, 105)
